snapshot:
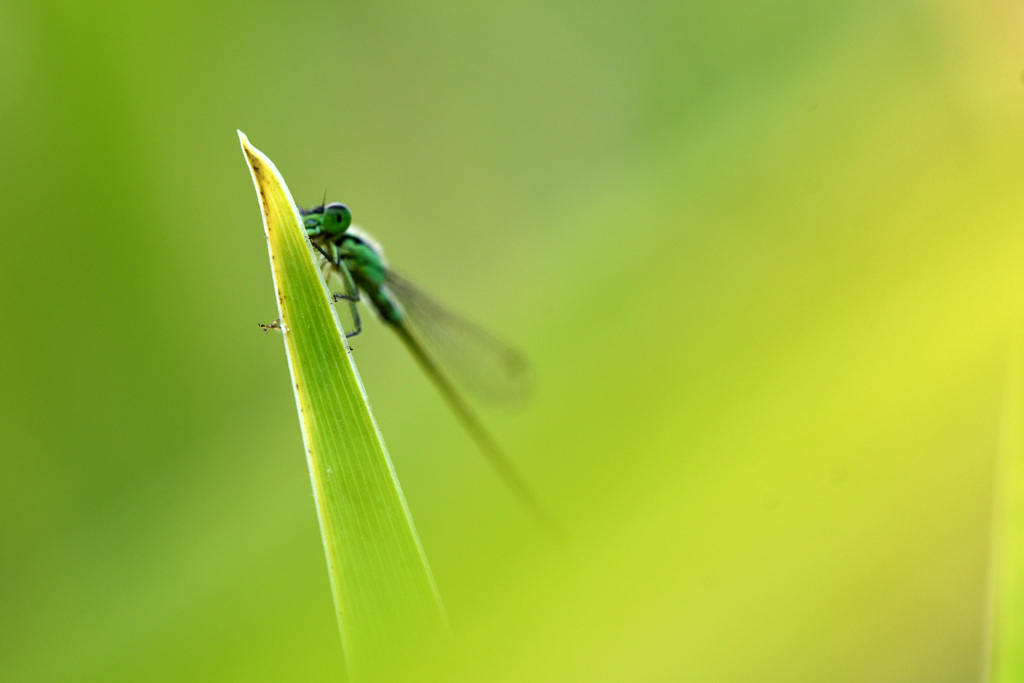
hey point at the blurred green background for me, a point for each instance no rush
(765, 257)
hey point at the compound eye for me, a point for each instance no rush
(337, 218)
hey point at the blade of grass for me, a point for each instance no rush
(1003, 642)
(384, 593)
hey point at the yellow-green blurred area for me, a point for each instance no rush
(765, 257)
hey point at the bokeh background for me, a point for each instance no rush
(766, 259)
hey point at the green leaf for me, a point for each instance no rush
(386, 601)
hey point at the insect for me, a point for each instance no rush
(446, 346)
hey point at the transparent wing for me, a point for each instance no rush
(477, 361)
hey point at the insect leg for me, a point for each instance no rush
(351, 295)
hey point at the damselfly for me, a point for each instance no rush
(445, 345)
